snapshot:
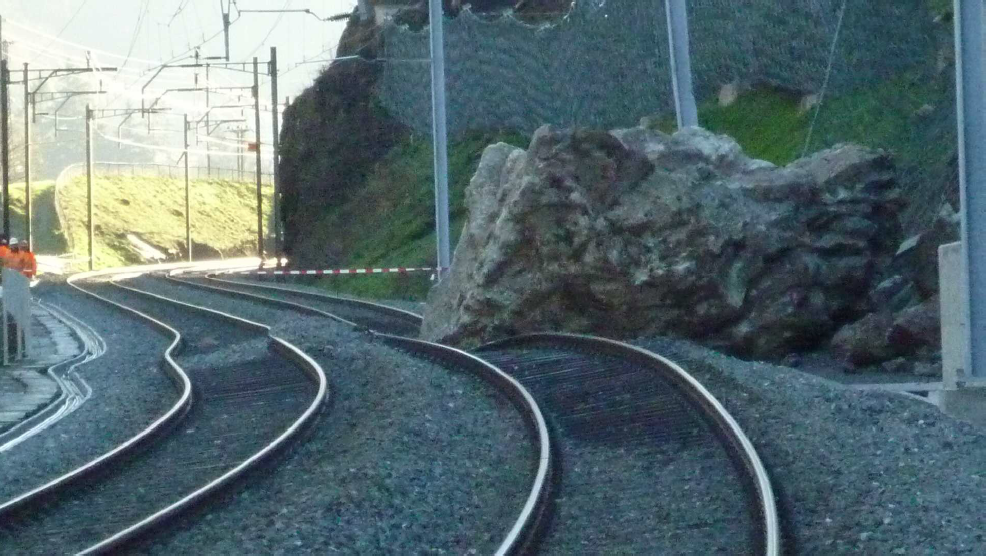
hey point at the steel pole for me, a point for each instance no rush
(188, 203)
(208, 148)
(969, 37)
(89, 184)
(439, 147)
(681, 68)
(260, 196)
(5, 143)
(28, 228)
(276, 155)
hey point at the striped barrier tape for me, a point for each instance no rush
(338, 271)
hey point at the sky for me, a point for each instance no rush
(139, 35)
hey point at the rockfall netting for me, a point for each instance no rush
(877, 72)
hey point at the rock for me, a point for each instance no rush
(792, 360)
(895, 294)
(927, 369)
(897, 366)
(916, 327)
(333, 134)
(917, 257)
(924, 111)
(864, 342)
(808, 102)
(728, 94)
(636, 231)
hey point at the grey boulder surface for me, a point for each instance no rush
(635, 231)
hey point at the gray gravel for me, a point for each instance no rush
(413, 306)
(129, 392)
(863, 473)
(409, 458)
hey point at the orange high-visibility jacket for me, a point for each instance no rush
(27, 264)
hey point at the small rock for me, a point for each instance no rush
(924, 110)
(808, 102)
(864, 342)
(916, 327)
(897, 366)
(865, 535)
(793, 360)
(926, 369)
(728, 94)
(895, 294)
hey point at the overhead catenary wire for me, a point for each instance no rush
(165, 148)
(66, 26)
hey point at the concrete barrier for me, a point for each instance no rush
(962, 397)
(16, 308)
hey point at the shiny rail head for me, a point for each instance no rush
(728, 426)
(293, 353)
(527, 527)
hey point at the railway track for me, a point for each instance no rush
(646, 460)
(650, 461)
(244, 395)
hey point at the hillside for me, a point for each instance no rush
(356, 157)
(48, 237)
(152, 210)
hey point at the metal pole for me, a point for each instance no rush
(226, 29)
(678, 51)
(365, 10)
(5, 144)
(260, 197)
(27, 163)
(969, 36)
(239, 152)
(89, 183)
(275, 155)
(188, 203)
(208, 155)
(439, 152)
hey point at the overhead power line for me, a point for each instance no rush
(64, 27)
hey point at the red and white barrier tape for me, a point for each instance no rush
(337, 271)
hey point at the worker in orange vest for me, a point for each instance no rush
(27, 264)
(21, 258)
(4, 250)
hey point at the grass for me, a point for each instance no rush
(47, 234)
(152, 208)
(390, 221)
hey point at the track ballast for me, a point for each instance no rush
(245, 396)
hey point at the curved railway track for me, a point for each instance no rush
(230, 417)
(646, 460)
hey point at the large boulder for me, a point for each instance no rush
(635, 231)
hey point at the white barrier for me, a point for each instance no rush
(16, 308)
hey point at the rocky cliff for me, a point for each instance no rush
(635, 231)
(332, 135)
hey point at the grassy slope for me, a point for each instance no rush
(384, 225)
(223, 216)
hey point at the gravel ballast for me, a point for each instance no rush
(408, 458)
(856, 472)
(289, 282)
(129, 392)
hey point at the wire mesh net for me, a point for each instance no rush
(783, 77)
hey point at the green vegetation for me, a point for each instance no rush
(391, 219)
(48, 237)
(153, 209)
